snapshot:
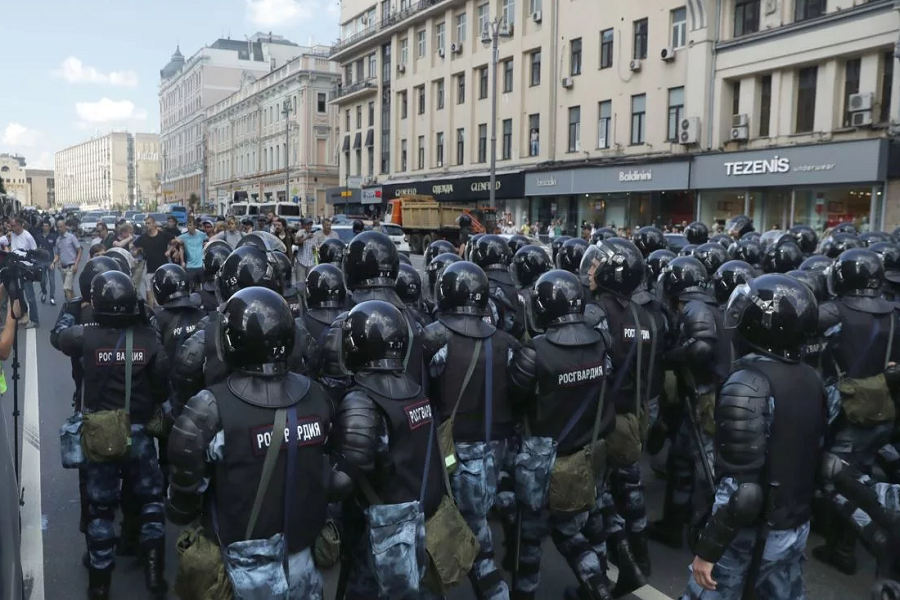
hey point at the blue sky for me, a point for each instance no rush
(79, 68)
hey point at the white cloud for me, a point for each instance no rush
(109, 111)
(278, 13)
(75, 71)
(18, 135)
(333, 8)
(44, 161)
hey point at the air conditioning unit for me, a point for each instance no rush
(859, 102)
(506, 29)
(456, 48)
(401, 68)
(568, 82)
(667, 54)
(862, 118)
(635, 65)
(537, 17)
(741, 120)
(689, 131)
(740, 134)
(441, 52)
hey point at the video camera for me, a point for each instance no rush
(18, 268)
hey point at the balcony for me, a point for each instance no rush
(380, 30)
(343, 94)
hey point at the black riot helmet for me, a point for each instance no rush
(782, 257)
(712, 255)
(325, 287)
(739, 226)
(814, 280)
(434, 269)
(730, 275)
(263, 240)
(648, 239)
(247, 266)
(657, 261)
(114, 300)
(816, 262)
(409, 284)
(121, 256)
(806, 238)
(558, 298)
(257, 331)
(332, 252)
(213, 256)
(752, 235)
(684, 278)
(870, 238)
(604, 233)
(371, 261)
(375, 337)
(856, 272)
(687, 250)
(437, 247)
(470, 245)
(462, 289)
(675, 242)
(749, 250)
(837, 243)
(697, 233)
(170, 286)
(529, 263)
(724, 240)
(616, 266)
(358, 227)
(774, 313)
(895, 235)
(517, 241)
(845, 227)
(283, 270)
(570, 255)
(92, 268)
(774, 237)
(491, 252)
(890, 258)
(404, 259)
(556, 244)
(464, 220)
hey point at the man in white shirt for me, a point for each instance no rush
(21, 240)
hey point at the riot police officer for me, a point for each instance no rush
(783, 256)
(326, 297)
(697, 233)
(813, 351)
(227, 433)
(438, 247)
(712, 256)
(409, 289)
(739, 226)
(528, 264)
(837, 243)
(433, 271)
(517, 242)
(770, 418)
(214, 256)
(562, 376)
(290, 292)
(749, 250)
(131, 378)
(556, 244)
(177, 313)
(468, 360)
(493, 255)
(727, 277)
(570, 254)
(649, 239)
(392, 470)
(889, 253)
(806, 238)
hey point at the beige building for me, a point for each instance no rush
(97, 172)
(189, 87)
(146, 159)
(42, 186)
(15, 181)
(249, 153)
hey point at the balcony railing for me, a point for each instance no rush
(395, 17)
(341, 91)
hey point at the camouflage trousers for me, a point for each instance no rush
(141, 470)
(361, 583)
(627, 490)
(474, 486)
(506, 485)
(859, 446)
(685, 469)
(568, 534)
(603, 522)
(780, 573)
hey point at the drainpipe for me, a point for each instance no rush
(554, 78)
(711, 92)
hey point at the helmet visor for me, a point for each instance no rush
(738, 303)
(593, 258)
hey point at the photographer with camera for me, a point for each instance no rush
(20, 240)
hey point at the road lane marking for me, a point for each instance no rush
(645, 593)
(32, 517)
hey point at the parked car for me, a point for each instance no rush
(400, 239)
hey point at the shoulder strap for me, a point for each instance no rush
(890, 344)
(639, 336)
(467, 378)
(268, 468)
(129, 351)
(599, 417)
(488, 388)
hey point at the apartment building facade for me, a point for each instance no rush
(146, 160)
(41, 187)
(254, 145)
(15, 181)
(96, 172)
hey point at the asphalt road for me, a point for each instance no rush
(52, 545)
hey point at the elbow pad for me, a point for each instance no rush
(332, 341)
(71, 340)
(700, 352)
(523, 371)
(187, 375)
(829, 316)
(742, 510)
(358, 420)
(194, 429)
(435, 337)
(182, 508)
(741, 424)
(859, 490)
(64, 321)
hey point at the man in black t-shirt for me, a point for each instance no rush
(153, 245)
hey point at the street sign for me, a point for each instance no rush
(355, 181)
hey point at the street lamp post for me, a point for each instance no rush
(493, 31)
(286, 111)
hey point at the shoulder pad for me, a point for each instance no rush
(194, 429)
(71, 340)
(594, 315)
(698, 320)
(829, 315)
(187, 372)
(523, 371)
(742, 423)
(358, 422)
(435, 337)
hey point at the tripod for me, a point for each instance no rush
(16, 412)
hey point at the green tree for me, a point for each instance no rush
(193, 201)
(2, 187)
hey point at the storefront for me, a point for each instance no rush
(624, 195)
(510, 188)
(347, 201)
(819, 185)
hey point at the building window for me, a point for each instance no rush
(482, 142)
(420, 43)
(439, 85)
(461, 88)
(508, 11)
(574, 128)
(420, 152)
(607, 37)
(535, 6)
(347, 120)
(404, 104)
(676, 112)
(887, 78)
(604, 124)
(765, 105)
(373, 66)
(851, 85)
(403, 155)
(575, 57)
(439, 147)
(507, 76)
(808, 9)
(640, 39)
(534, 135)
(507, 140)
(371, 114)
(371, 158)
(461, 27)
(460, 146)
(679, 27)
(386, 63)
(482, 83)
(421, 93)
(321, 103)
(439, 36)
(638, 112)
(535, 68)
(806, 99)
(736, 97)
(483, 17)
(404, 51)
(746, 17)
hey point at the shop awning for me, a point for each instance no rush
(346, 146)
(370, 138)
(357, 140)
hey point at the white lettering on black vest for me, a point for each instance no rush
(104, 357)
(628, 333)
(310, 432)
(581, 375)
(418, 413)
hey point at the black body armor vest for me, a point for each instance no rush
(623, 331)
(176, 325)
(860, 347)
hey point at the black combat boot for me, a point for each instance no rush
(596, 590)
(638, 542)
(155, 569)
(839, 549)
(98, 584)
(128, 543)
(669, 531)
(519, 595)
(630, 575)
